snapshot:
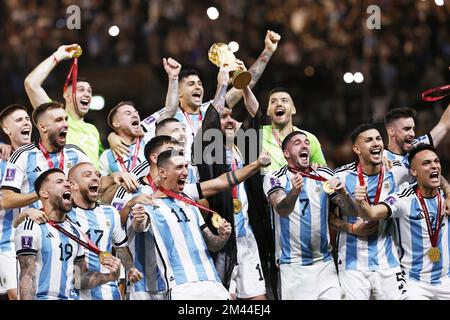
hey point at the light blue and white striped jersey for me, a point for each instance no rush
(183, 255)
(378, 251)
(302, 237)
(142, 244)
(102, 226)
(414, 239)
(109, 163)
(149, 125)
(55, 254)
(28, 162)
(403, 158)
(6, 221)
(241, 221)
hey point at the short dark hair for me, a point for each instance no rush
(278, 89)
(188, 72)
(9, 110)
(164, 156)
(156, 143)
(418, 149)
(79, 79)
(38, 183)
(289, 137)
(163, 123)
(41, 109)
(398, 113)
(116, 108)
(360, 129)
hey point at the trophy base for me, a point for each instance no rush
(241, 79)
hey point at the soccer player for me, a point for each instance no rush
(16, 124)
(280, 110)
(303, 251)
(369, 265)
(423, 225)
(82, 134)
(190, 109)
(400, 125)
(29, 161)
(101, 223)
(182, 237)
(52, 263)
(125, 121)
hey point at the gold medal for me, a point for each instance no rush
(434, 254)
(237, 205)
(78, 51)
(102, 255)
(326, 187)
(216, 220)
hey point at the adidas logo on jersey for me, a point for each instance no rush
(172, 278)
(50, 235)
(37, 169)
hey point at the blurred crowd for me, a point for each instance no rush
(321, 40)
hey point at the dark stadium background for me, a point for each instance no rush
(321, 40)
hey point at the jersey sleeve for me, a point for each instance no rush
(395, 204)
(104, 167)
(192, 191)
(425, 139)
(401, 174)
(316, 150)
(27, 238)
(118, 233)
(271, 184)
(15, 171)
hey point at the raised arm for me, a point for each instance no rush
(222, 84)
(232, 178)
(11, 199)
(34, 81)
(441, 129)
(270, 45)
(250, 101)
(172, 68)
(27, 277)
(213, 242)
(285, 204)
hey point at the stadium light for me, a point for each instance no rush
(439, 3)
(358, 77)
(114, 31)
(348, 77)
(97, 103)
(234, 46)
(212, 13)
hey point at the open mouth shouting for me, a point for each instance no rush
(93, 189)
(62, 137)
(280, 111)
(375, 153)
(85, 103)
(26, 133)
(197, 97)
(181, 183)
(435, 177)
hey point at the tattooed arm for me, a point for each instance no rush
(222, 83)
(85, 279)
(285, 204)
(124, 254)
(271, 43)
(215, 243)
(27, 277)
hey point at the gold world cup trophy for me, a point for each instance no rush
(221, 55)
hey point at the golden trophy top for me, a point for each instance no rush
(220, 54)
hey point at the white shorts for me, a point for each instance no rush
(8, 271)
(387, 284)
(144, 295)
(247, 279)
(199, 290)
(423, 291)
(316, 282)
